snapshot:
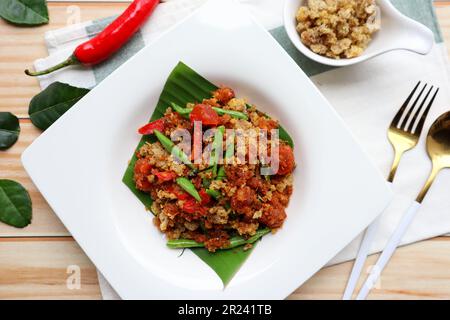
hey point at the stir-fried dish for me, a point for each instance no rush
(209, 178)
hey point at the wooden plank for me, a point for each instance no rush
(418, 271)
(39, 270)
(44, 222)
(443, 15)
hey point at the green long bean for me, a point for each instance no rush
(213, 193)
(173, 149)
(184, 112)
(217, 147)
(221, 173)
(234, 241)
(232, 113)
(189, 187)
(229, 153)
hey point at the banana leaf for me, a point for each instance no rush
(185, 85)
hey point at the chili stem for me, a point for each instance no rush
(72, 60)
(234, 241)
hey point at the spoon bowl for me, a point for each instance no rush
(438, 148)
(438, 141)
(398, 32)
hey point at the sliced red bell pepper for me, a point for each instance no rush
(205, 114)
(149, 127)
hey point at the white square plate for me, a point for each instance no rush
(79, 161)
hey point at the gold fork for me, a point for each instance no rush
(403, 134)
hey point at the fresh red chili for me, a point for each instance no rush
(205, 114)
(155, 125)
(111, 39)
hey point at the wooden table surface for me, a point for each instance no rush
(34, 261)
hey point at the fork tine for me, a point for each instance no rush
(399, 114)
(424, 115)
(411, 109)
(418, 111)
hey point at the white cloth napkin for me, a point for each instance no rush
(366, 96)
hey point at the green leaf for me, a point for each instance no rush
(24, 12)
(47, 106)
(15, 204)
(225, 263)
(283, 135)
(185, 85)
(9, 130)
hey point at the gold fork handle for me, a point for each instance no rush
(434, 172)
(397, 157)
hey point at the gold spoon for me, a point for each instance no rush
(438, 147)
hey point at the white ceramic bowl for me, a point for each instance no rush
(397, 32)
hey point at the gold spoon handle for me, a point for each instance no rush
(434, 172)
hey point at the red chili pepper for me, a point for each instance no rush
(164, 175)
(149, 127)
(111, 39)
(205, 114)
